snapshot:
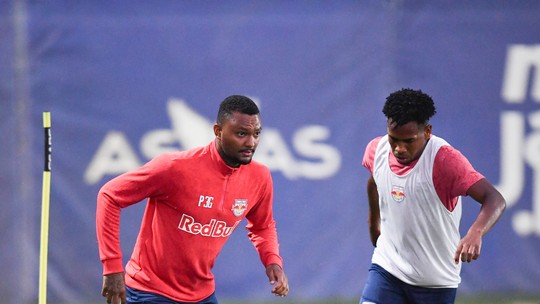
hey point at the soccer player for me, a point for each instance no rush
(195, 199)
(414, 194)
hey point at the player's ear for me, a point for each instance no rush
(217, 131)
(427, 131)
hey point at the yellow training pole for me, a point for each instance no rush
(45, 197)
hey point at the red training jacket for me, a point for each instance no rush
(195, 201)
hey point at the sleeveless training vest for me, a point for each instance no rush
(419, 235)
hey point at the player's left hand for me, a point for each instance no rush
(278, 279)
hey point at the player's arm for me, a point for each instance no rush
(263, 234)
(374, 216)
(265, 242)
(493, 206)
(108, 231)
(120, 192)
(108, 235)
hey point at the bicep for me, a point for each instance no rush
(149, 180)
(373, 194)
(260, 216)
(483, 191)
(453, 174)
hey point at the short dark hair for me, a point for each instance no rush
(406, 105)
(236, 103)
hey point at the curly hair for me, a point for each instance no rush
(236, 103)
(406, 105)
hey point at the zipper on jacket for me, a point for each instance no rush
(221, 202)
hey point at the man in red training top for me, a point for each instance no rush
(196, 198)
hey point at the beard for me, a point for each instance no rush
(244, 161)
(235, 160)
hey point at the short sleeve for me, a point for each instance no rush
(453, 175)
(369, 154)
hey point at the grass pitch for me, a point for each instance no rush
(478, 299)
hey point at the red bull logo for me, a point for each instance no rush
(239, 206)
(213, 229)
(397, 194)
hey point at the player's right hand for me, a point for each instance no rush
(278, 279)
(114, 288)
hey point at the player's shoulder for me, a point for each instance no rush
(443, 145)
(257, 170)
(376, 140)
(448, 154)
(373, 144)
(175, 157)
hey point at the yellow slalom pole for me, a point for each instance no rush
(45, 199)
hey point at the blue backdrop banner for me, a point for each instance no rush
(125, 81)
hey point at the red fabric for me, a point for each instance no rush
(453, 174)
(192, 199)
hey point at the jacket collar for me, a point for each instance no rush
(220, 163)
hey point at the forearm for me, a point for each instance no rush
(267, 246)
(490, 212)
(108, 234)
(493, 206)
(374, 211)
(120, 192)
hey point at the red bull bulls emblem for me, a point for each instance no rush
(397, 194)
(239, 206)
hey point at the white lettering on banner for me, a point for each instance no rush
(520, 61)
(189, 129)
(274, 153)
(114, 156)
(213, 229)
(517, 149)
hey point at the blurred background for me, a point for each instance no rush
(127, 80)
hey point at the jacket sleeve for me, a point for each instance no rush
(262, 227)
(120, 192)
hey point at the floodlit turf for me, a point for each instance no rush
(479, 299)
(489, 299)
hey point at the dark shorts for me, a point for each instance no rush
(134, 296)
(384, 288)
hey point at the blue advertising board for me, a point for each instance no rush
(125, 81)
